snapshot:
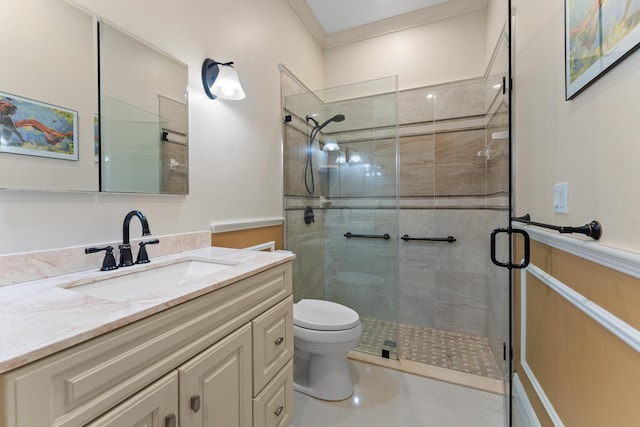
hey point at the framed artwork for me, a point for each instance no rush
(34, 128)
(598, 35)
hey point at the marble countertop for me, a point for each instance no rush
(42, 317)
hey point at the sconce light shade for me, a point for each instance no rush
(331, 145)
(220, 80)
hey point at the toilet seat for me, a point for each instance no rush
(320, 315)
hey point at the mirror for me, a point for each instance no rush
(50, 104)
(143, 116)
(48, 98)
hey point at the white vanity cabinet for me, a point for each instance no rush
(221, 359)
(215, 386)
(154, 406)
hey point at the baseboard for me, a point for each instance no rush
(522, 405)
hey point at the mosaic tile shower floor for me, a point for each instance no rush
(451, 350)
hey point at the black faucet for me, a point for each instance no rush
(126, 258)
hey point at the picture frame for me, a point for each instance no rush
(35, 128)
(598, 35)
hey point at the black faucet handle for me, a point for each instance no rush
(109, 262)
(143, 257)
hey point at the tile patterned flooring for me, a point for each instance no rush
(388, 398)
(450, 350)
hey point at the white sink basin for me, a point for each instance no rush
(133, 285)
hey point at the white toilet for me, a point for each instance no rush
(323, 333)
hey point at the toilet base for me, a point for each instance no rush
(325, 377)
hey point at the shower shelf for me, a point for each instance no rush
(449, 239)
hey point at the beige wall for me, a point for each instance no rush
(442, 51)
(235, 147)
(590, 142)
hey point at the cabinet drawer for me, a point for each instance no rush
(274, 406)
(272, 343)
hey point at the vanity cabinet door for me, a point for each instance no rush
(215, 386)
(155, 406)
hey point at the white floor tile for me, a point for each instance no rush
(385, 397)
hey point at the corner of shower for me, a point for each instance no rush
(340, 161)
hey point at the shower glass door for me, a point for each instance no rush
(340, 201)
(498, 153)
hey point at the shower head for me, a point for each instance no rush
(336, 118)
(308, 166)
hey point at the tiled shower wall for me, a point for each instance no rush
(349, 197)
(445, 186)
(443, 192)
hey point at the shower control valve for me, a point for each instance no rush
(309, 216)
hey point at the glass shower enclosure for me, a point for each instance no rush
(341, 200)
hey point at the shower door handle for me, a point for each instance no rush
(509, 264)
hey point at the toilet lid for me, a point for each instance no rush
(323, 315)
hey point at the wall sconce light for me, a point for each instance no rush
(220, 80)
(331, 145)
(348, 156)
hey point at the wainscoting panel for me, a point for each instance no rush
(577, 343)
(243, 235)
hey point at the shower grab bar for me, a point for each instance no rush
(449, 239)
(384, 236)
(593, 229)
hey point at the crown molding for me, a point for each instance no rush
(405, 21)
(309, 20)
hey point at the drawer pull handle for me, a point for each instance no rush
(279, 411)
(170, 420)
(279, 341)
(195, 403)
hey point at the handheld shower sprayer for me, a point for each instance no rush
(316, 123)
(318, 126)
(308, 167)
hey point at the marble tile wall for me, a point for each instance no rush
(175, 180)
(308, 242)
(444, 188)
(363, 273)
(445, 285)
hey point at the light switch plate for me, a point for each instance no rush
(560, 197)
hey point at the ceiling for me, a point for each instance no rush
(340, 15)
(339, 22)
